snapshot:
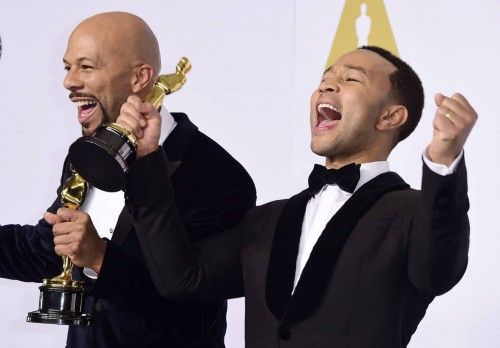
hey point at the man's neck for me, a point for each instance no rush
(338, 161)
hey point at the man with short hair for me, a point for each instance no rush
(355, 259)
(111, 57)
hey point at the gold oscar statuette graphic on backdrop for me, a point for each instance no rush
(104, 158)
(363, 22)
(61, 298)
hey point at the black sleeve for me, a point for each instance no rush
(439, 240)
(209, 270)
(27, 252)
(122, 278)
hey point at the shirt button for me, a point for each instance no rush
(98, 306)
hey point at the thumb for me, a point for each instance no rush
(438, 99)
(52, 219)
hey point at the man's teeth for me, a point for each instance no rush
(328, 112)
(329, 106)
(81, 103)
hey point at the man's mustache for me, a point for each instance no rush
(80, 95)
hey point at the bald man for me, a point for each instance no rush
(112, 60)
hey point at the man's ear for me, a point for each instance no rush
(393, 117)
(141, 78)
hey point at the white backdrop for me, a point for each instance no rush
(255, 64)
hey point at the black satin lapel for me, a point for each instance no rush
(172, 167)
(319, 268)
(281, 268)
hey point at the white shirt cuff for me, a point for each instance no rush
(442, 169)
(90, 273)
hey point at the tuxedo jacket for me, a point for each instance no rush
(377, 265)
(126, 309)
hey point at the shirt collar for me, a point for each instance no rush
(167, 124)
(370, 170)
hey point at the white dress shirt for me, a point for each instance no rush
(104, 208)
(327, 202)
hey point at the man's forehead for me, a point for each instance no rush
(89, 42)
(81, 45)
(368, 61)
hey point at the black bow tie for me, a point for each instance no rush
(346, 178)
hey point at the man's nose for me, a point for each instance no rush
(329, 86)
(72, 81)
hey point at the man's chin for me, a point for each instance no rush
(320, 149)
(89, 128)
(88, 131)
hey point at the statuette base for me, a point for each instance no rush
(60, 305)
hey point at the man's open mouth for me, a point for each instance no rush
(327, 115)
(86, 108)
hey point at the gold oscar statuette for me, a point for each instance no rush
(104, 158)
(61, 298)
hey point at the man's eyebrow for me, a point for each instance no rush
(79, 60)
(347, 67)
(355, 67)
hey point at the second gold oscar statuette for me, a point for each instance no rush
(72, 197)
(61, 297)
